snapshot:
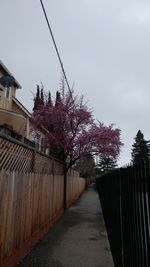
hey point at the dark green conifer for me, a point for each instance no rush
(36, 98)
(140, 148)
(42, 96)
(58, 99)
(106, 163)
(49, 102)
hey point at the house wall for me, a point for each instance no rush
(12, 118)
(6, 103)
(12, 114)
(17, 109)
(18, 123)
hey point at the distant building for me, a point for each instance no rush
(14, 117)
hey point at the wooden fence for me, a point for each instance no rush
(32, 193)
(75, 187)
(29, 203)
(17, 156)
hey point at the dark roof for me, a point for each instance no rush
(6, 72)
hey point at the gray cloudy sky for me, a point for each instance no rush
(105, 48)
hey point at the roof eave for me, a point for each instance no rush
(21, 106)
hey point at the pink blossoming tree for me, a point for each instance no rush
(72, 132)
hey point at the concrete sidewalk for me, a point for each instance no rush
(77, 239)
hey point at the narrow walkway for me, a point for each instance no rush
(77, 239)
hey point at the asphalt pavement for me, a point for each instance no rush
(77, 239)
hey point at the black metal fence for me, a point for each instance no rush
(125, 199)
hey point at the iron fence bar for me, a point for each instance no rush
(125, 199)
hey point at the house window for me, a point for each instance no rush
(36, 139)
(7, 92)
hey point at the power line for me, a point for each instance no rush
(54, 42)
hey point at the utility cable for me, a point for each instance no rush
(56, 48)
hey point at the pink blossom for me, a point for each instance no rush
(72, 130)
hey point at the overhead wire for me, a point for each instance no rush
(55, 45)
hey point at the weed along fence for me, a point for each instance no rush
(125, 200)
(32, 191)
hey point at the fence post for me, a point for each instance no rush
(65, 186)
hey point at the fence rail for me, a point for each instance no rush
(125, 199)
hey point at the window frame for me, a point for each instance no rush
(7, 92)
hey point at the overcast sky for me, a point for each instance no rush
(105, 49)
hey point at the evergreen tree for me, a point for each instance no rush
(49, 102)
(58, 99)
(140, 148)
(107, 163)
(39, 98)
(42, 96)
